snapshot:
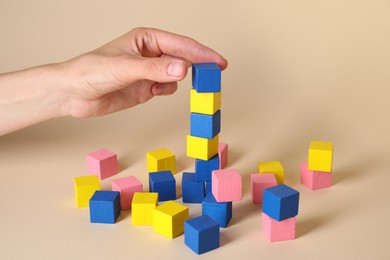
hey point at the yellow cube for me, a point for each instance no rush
(84, 188)
(169, 218)
(274, 167)
(201, 148)
(161, 160)
(205, 103)
(320, 156)
(142, 208)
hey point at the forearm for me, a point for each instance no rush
(31, 96)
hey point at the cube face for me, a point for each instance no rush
(278, 230)
(142, 208)
(169, 218)
(274, 167)
(201, 234)
(205, 103)
(201, 148)
(192, 191)
(320, 156)
(104, 207)
(260, 182)
(226, 185)
(206, 77)
(281, 202)
(85, 187)
(223, 155)
(208, 187)
(102, 163)
(315, 180)
(127, 186)
(221, 212)
(161, 160)
(205, 126)
(164, 184)
(204, 168)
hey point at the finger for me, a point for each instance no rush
(163, 89)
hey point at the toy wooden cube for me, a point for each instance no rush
(201, 148)
(127, 186)
(226, 185)
(280, 202)
(192, 190)
(274, 167)
(204, 103)
(164, 183)
(206, 77)
(142, 208)
(201, 234)
(203, 168)
(161, 160)
(205, 126)
(260, 182)
(221, 212)
(104, 207)
(169, 218)
(84, 188)
(320, 156)
(223, 155)
(278, 230)
(315, 180)
(102, 163)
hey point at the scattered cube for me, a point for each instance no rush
(320, 156)
(161, 160)
(204, 103)
(226, 185)
(280, 202)
(201, 148)
(192, 190)
(260, 182)
(205, 126)
(278, 230)
(104, 207)
(126, 186)
(169, 218)
(164, 183)
(201, 234)
(223, 155)
(142, 208)
(206, 77)
(221, 212)
(102, 163)
(274, 167)
(84, 188)
(315, 180)
(203, 168)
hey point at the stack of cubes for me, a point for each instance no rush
(316, 173)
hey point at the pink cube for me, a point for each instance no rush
(222, 154)
(278, 230)
(226, 185)
(102, 163)
(127, 186)
(260, 182)
(315, 180)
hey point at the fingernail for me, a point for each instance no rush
(175, 69)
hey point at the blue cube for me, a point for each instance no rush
(192, 191)
(104, 207)
(201, 234)
(205, 126)
(164, 184)
(280, 202)
(206, 77)
(204, 168)
(221, 212)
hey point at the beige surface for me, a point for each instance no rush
(299, 70)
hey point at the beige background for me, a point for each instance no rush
(299, 70)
